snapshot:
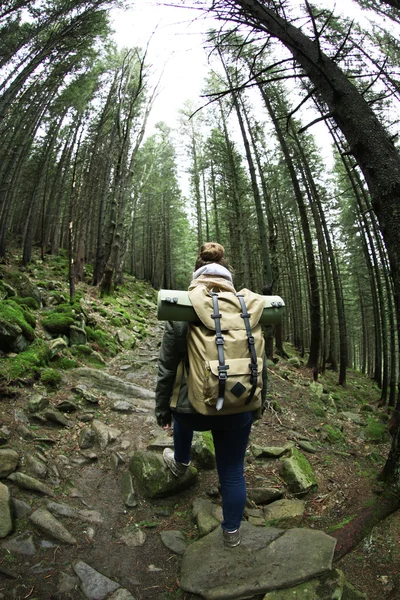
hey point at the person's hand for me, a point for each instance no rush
(168, 429)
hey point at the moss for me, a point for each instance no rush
(104, 340)
(51, 378)
(27, 363)
(375, 430)
(317, 409)
(58, 323)
(64, 363)
(341, 524)
(28, 301)
(208, 441)
(81, 350)
(116, 322)
(10, 312)
(334, 435)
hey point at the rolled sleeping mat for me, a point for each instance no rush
(175, 305)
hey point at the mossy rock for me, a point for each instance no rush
(28, 301)
(58, 323)
(105, 341)
(16, 327)
(51, 378)
(22, 284)
(154, 479)
(27, 364)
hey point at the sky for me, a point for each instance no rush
(175, 51)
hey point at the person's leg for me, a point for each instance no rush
(230, 449)
(183, 436)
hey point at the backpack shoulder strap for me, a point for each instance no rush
(219, 340)
(250, 340)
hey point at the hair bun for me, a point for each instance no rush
(212, 251)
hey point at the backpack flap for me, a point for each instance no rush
(229, 306)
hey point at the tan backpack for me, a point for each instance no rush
(225, 352)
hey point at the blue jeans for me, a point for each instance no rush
(230, 434)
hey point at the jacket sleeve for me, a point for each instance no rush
(172, 351)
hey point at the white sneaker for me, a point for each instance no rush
(178, 469)
(231, 538)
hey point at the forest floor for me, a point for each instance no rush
(347, 462)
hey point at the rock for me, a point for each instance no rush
(307, 446)
(298, 474)
(67, 406)
(56, 346)
(295, 362)
(316, 390)
(12, 338)
(122, 406)
(94, 585)
(105, 382)
(6, 523)
(37, 403)
(284, 513)
(21, 544)
(67, 583)
(55, 416)
(174, 541)
(44, 520)
(63, 510)
(266, 560)
(128, 492)
(133, 537)
(203, 450)
(36, 467)
(77, 336)
(104, 434)
(155, 479)
(8, 462)
(5, 435)
(20, 508)
(125, 340)
(160, 442)
(262, 495)
(25, 433)
(270, 451)
(86, 438)
(326, 587)
(121, 594)
(355, 418)
(203, 513)
(30, 483)
(21, 283)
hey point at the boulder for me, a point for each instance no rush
(267, 559)
(77, 336)
(298, 474)
(44, 520)
(6, 522)
(203, 512)
(94, 585)
(8, 462)
(327, 587)
(261, 495)
(284, 513)
(154, 479)
(203, 451)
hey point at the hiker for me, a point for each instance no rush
(230, 431)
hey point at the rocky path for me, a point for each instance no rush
(87, 509)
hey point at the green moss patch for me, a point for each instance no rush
(26, 364)
(10, 312)
(103, 340)
(28, 301)
(51, 378)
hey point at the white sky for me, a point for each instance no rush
(175, 37)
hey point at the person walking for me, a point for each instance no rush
(230, 432)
